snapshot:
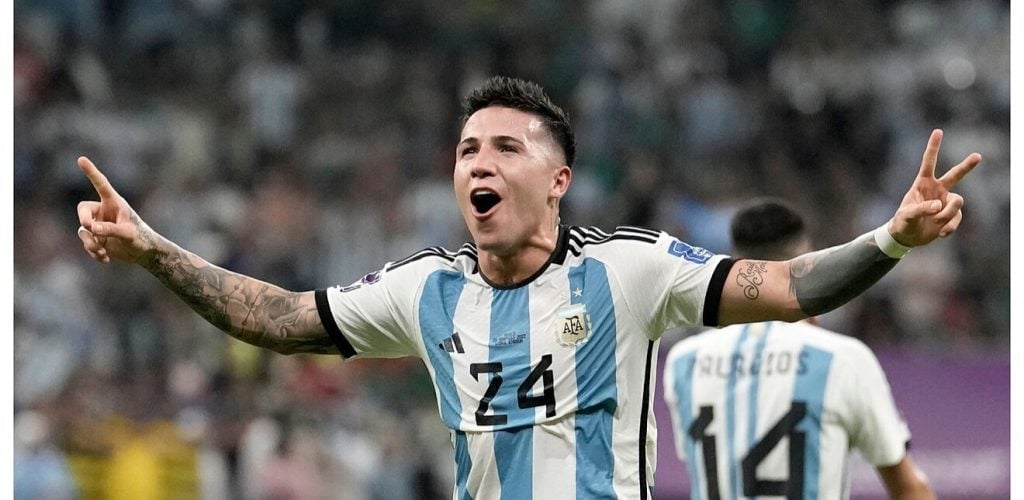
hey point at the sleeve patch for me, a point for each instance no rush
(697, 255)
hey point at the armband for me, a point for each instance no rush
(888, 245)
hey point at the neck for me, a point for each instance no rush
(516, 266)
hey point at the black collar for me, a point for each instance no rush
(557, 257)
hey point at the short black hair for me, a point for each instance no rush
(526, 96)
(768, 229)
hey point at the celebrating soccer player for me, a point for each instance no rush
(540, 337)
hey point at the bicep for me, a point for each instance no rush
(309, 321)
(758, 290)
(292, 323)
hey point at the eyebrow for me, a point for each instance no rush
(498, 139)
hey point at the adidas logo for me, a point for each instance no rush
(452, 344)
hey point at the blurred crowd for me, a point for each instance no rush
(307, 142)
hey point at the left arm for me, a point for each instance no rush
(818, 282)
(905, 481)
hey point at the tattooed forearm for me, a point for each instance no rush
(751, 278)
(187, 282)
(250, 310)
(827, 279)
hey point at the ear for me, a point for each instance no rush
(560, 182)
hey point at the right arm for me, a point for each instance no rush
(818, 282)
(246, 308)
(904, 481)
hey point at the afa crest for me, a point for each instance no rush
(573, 326)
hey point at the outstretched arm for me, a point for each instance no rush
(818, 282)
(248, 309)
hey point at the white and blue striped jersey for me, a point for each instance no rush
(773, 410)
(546, 385)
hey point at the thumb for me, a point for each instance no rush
(922, 209)
(121, 231)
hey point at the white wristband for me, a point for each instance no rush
(888, 245)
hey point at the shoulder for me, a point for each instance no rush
(584, 239)
(406, 277)
(629, 242)
(428, 260)
(836, 341)
(848, 352)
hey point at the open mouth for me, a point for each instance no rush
(484, 200)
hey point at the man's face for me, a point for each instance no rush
(509, 175)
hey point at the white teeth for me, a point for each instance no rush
(484, 191)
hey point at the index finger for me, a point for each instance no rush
(98, 180)
(931, 155)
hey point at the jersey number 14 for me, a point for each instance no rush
(793, 488)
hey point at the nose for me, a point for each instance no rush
(483, 165)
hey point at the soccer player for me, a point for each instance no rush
(773, 409)
(540, 337)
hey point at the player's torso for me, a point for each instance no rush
(546, 386)
(543, 385)
(507, 358)
(757, 418)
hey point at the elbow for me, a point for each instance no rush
(918, 490)
(283, 344)
(278, 343)
(792, 315)
(789, 313)
(905, 481)
(282, 349)
(818, 305)
(292, 341)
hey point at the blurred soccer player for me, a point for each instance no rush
(539, 337)
(773, 409)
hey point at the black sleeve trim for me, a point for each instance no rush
(713, 299)
(323, 308)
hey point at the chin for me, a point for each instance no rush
(488, 241)
(494, 241)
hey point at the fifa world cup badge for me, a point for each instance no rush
(573, 329)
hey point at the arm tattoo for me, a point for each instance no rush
(248, 309)
(829, 278)
(751, 278)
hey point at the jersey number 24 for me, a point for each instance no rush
(541, 372)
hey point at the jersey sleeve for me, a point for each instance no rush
(674, 284)
(371, 317)
(876, 428)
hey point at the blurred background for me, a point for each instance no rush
(308, 142)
